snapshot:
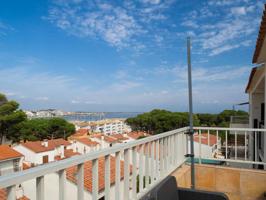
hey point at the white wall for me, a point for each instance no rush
(36, 158)
(79, 147)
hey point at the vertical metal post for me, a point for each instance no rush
(190, 114)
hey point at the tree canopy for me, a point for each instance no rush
(158, 121)
(10, 116)
(43, 128)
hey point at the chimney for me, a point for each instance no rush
(62, 151)
(74, 146)
(45, 143)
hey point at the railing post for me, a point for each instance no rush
(107, 177)
(62, 184)
(126, 174)
(117, 175)
(134, 173)
(80, 181)
(40, 188)
(11, 192)
(95, 179)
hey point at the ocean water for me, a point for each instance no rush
(100, 116)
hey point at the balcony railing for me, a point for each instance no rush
(145, 163)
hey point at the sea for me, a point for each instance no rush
(100, 116)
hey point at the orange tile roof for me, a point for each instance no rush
(110, 139)
(136, 134)
(25, 166)
(81, 132)
(119, 137)
(87, 141)
(261, 36)
(69, 153)
(3, 195)
(204, 139)
(7, 153)
(37, 146)
(71, 173)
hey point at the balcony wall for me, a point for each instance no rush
(238, 184)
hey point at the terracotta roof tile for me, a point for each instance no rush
(136, 134)
(87, 141)
(204, 139)
(72, 171)
(37, 146)
(7, 153)
(119, 137)
(3, 195)
(69, 153)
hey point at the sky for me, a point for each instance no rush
(107, 55)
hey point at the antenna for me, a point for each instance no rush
(191, 131)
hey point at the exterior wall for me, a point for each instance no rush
(80, 147)
(7, 166)
(236, 183)
(51, 191)
(32, 157)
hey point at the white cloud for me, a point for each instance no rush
(119, 26)
(216, 33)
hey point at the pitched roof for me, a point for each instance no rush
(72, 171)
(252, 73)
(261, 36)
(204, 139)
(8, 153)
(69, 153)
(136, 134)
(119, 137)
(81, 132)
(87, 141)
(106, 138)
(38, 147)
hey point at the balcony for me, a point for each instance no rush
(131, 170)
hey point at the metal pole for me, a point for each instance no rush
(190, 115)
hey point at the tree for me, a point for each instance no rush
(10, 116)
(158, 121)
(40, 129)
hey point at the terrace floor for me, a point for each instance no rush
(236, 183)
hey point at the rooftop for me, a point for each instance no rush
(39, 146)
(8, 153)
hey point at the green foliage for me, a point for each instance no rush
(158, 121)
(10, 117)
(39, 129)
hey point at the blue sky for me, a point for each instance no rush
(126, 55)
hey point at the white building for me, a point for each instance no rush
(104, 140)
(257, 95)
(207, 146)
(110, 126)
(40, 152)
(85, 145)
(10, 160)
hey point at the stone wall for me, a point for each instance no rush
(238, 184)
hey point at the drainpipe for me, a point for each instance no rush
(191, 131)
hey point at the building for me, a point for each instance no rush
(10, 160)
(256, 90)
(104, 140)
(85, 145)
(207, 145)
(41, 152)
(80, 133)
(110, 126)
